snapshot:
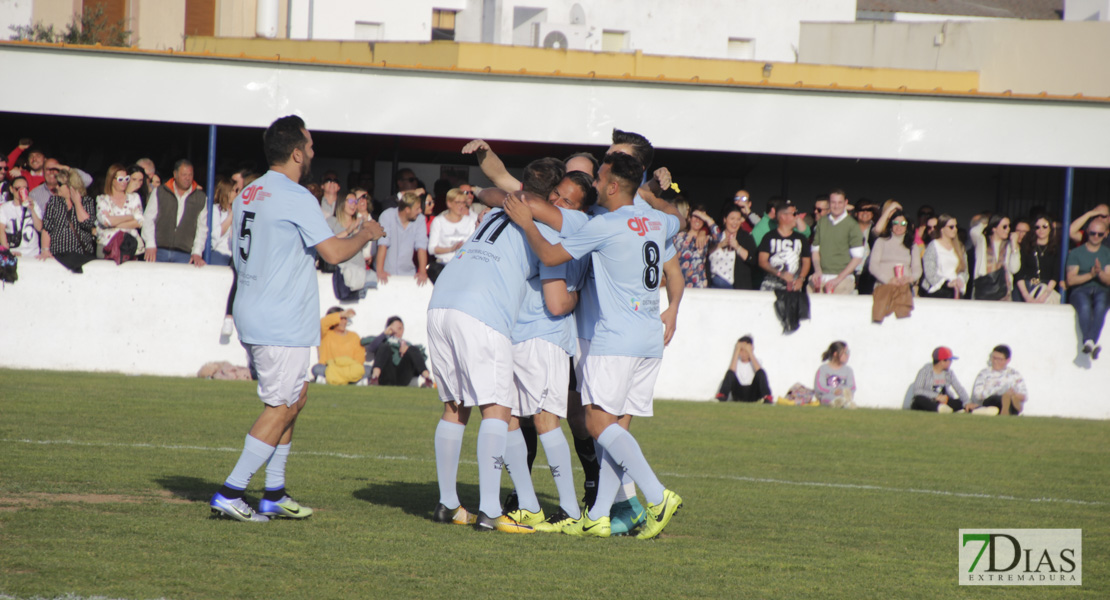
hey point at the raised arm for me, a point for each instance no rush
(491, 165)
(542, 211)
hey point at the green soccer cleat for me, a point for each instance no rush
(556, 522)
(526, 517)
(587, 527)
(286, 508)
(626, 515)
(455, 516)
(659, 515)
(502, 523)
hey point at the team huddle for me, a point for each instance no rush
(567, 265)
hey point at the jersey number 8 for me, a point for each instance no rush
(651, 265)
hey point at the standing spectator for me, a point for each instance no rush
(837, 248)
(1040, 267)
(944, 265)
(997, 258)
(745, 380)
(784, 253)
(1098, 213)
(68, 224)
(331, 194)
(147, 166)
(1021, 229)
(22, 221)
(865, 216)
(999, 387)
(769, 221)
(895, 246)
(694, 245)
(428, 205)
(820, 210)
(835, 383)
(118, 213)
(406, 182)
(348, 218)
(396, 361)
(5, 185)
(221, 222)
(926, 226)
(35, 160)
(744, 200)
(41, 192)
(736, 256)
(451, 229)
(138, 184)
(1088, 272)
(936, 388)
(405, 234)
(175, 225)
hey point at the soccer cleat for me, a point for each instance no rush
(659, 515)
(721, 397)
(625, 516)
(558, 521)
(502, 523)
(235, 508)
(526, 517)
(587, 527)
(455, 516)
(286, 508)
(511, 502)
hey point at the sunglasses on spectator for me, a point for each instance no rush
(469, 193)
(331, 180)
(740, 198)
(3, 167)
(1096, 233)
(352, 200)
(1042, 226)
(410, 179)
(902, 223)
(123, 179)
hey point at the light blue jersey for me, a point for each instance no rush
(534, 320)
(627, 267)
(487, 278)
(275, 225)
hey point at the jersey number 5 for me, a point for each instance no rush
(651, 265)
(245, 235)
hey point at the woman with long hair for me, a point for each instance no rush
(119, 211)
(221, 222)
(997, 258)
(1040, 264)
(944, 264)
(693, 247)
(733, 262)
(349, 216)
(835, 383)
(895, 246)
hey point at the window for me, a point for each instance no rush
(741, 48)
(614, 41)
(443, 24)
(367, 31)
(200, 17)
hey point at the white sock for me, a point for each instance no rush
(448, 444)
(516, 461)
(557, 450)
(255, 454)
(491, 457)
(608, 480)
(627, 490)
(622, 447)
(275, 469)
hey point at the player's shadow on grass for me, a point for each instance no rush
(417, 499)
(193, 489)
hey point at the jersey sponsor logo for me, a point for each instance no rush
(253, 193)
(641, 225)
(635, 304)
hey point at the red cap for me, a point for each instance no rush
(943, 353)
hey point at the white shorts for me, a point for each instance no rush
(282, 372)
(620, 385)
(541, 377)
(580, 362)
(472, 363)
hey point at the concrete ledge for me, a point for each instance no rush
(164, 319)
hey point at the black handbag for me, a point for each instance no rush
(991, 286)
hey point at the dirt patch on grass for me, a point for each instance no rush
(13, 502)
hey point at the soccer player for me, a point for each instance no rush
(625, 353)
(279, 231)
(470, 319)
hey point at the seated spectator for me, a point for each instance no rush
(936, 388)
(694, 245)
(997, 258)
(895, 247)
(405, 234)
(396, 362)
(944, 264)
(835, 383)
(22, 221)
(745, 380)
(349, 216)
(1037, 280)
(222, 198)
(340, 351)
(784, 252)
(998, 386)
(733, 262)
(1079, 225)
(68, 224)
(1088, 272)
(119, 216)
(452, 228)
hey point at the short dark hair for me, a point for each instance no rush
(334, 309)
(586, 183)
(184, 162)
(837, 191)
(542, 175)
(593, 160)
(392, 320)
(282, 137)
(746, 338)
(777, 203)
(641, 147)
(628, 169)
(1002, 349)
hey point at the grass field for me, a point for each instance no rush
(104, 483)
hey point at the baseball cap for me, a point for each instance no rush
(943, 353)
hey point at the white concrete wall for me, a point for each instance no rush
(410, 20)
(1087, 10)
(162, 319)
(15, 13)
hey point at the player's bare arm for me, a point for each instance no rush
(676, 286)
(558, 299)
(491, 165)
(336, 250)
(521, 214)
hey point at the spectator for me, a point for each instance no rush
(733, 262)
(42, 192)
(1078, 226)
(769, 221)
(999, 387)
(348, 218)
(882, 223)
(1040, 267)
(175, 225)
(428, 205)
(147, 166)
(694, 245)
(784, 253)
(997, 258)
(340, 351)
(331, 194)
(835, 383)
(452, 228)
(470, 193)
(944, 264)
(33, 170)
(820, 210)
(22, 221)
(895, 246)
(118, 214)
(222, 198)
(1088, 272)
(865, 215)
(936, 388)
(406, 182)
(68, 224)
(744, 200)
(405, 234)
(137, 184)
(5, 185)
(837, 248)
(926, 226)
(745, 380)
(396, 362)
(1021, 229)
